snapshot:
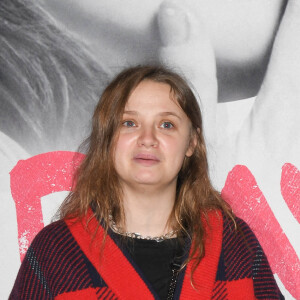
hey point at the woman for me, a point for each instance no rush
(144, 221)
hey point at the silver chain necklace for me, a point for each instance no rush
(136, 235)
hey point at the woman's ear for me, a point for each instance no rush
(192, 143)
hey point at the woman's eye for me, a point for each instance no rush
(129, 124)
(167, 125)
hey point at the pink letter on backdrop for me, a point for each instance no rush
(34, 178)
(290, 189)
(248, 202)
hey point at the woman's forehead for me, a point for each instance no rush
(149, 91)
(151, 94)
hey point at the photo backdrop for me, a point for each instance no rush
(241, 57)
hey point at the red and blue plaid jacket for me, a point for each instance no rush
(64, 262)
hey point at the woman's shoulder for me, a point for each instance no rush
(51, 231)
(233, 226)
(237, 230)
(240, 244)
(243, 257)
(50, 240)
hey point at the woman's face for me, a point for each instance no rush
(154, 138)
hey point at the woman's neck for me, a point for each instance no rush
(147, 212)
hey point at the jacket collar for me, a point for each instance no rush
(117, 271)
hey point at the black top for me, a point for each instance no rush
(155, 259)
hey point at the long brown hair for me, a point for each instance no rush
(97, 182)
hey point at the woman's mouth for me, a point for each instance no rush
(146, 159)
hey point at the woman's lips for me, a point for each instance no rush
(146, 159)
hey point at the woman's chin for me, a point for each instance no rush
(147, 180)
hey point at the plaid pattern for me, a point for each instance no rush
(56, 268)
(63, 262)
(243, 267)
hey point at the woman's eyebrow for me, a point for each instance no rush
(130, 112)
(162, 114)
(170, 113)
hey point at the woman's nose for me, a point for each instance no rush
(147, 137)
